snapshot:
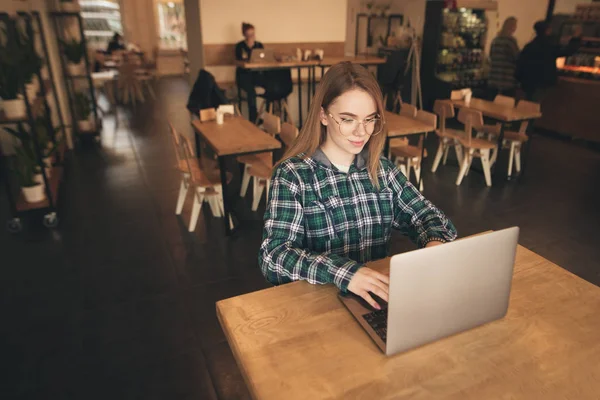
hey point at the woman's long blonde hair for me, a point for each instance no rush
(506, 26)
(339, 79)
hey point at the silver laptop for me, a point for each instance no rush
(439, 291)
(262, 55)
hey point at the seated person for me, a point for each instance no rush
(247, 80)
(116, 43)
(335, 198)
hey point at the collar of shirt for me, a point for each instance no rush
(360, 161)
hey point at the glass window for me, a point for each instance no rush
(101, 19)
(171, 24)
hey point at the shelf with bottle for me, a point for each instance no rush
(459, 60)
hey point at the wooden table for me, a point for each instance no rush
(401, 125)
(311, 67)
(297, 341)
(236, 136)
(503, 115)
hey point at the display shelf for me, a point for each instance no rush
(36, 106)
(54, 183)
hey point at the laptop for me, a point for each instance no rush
(440, 291)
(262, 55)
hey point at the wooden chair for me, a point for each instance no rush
(276, 107)
(448, 137)
(409, 156)
(407, 110)
(272, 125)
(494, 130)
(514, 140)
(205, 182)
(128, 85)
(474, 147)
(261, 172)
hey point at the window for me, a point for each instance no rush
(101, 19)
(171, 24)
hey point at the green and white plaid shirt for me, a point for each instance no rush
(321, 224)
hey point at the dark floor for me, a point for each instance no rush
(118, 303)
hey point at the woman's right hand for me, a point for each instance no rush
(366, 280)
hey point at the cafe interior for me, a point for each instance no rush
(144, 180)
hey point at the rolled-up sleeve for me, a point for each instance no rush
(416, 216)
(283, 256)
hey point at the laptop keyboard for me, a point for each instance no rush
(378, 321)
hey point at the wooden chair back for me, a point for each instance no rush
(208, 114)
(529, 106)
(471, 119)
(444, 110)
(456, 95)
(408, 110)
(176, 144)
(288, 134)
(271, 124)
(504, 101)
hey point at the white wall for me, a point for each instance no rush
(567, 6)
(276, 21)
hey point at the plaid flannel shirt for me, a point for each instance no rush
(322, 225)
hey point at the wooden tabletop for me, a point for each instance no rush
(297, 341)
(497, 111)
(400, 125)
(276, 64)
(236, 135)
(328, 61)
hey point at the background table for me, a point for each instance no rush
(400, 125)
(235, 137)
(297, 341)
(311, 67)
(503, 115)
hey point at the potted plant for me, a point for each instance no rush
(26, 167)
(30, 62)
(48, 147)
(11, 72)
(83, 110)
(74, 51)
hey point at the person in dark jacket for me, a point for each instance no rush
(245, 79)
(116, 43)
(536, 68)
(205, 94)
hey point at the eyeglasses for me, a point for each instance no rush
(373, 125)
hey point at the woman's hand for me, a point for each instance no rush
(366, 280)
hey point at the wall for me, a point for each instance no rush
(276, 21)
(567, 6)
(139, 23)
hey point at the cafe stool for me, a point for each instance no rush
(261, 172)
(409, 156)
(448, 137)
(272, 125)
(474, 147)
(277, 107)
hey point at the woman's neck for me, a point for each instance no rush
(250, 43)
(336, 155)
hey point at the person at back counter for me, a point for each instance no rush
(245, 79)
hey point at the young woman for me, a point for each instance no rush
(503, 60)
(334, 199)
(247, 80)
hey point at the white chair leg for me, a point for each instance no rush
(215, 209)
(494, 157)
(245, 181)
(408, 168)
(446, 150)
(459, 151)
(518, 158)
(198, 200)
(258, 189)
(463, 167)
(485, 163)
(511, 156)
(402, 168)
(183, 188)
(470, 162)
(267, 188)
(438, 157)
